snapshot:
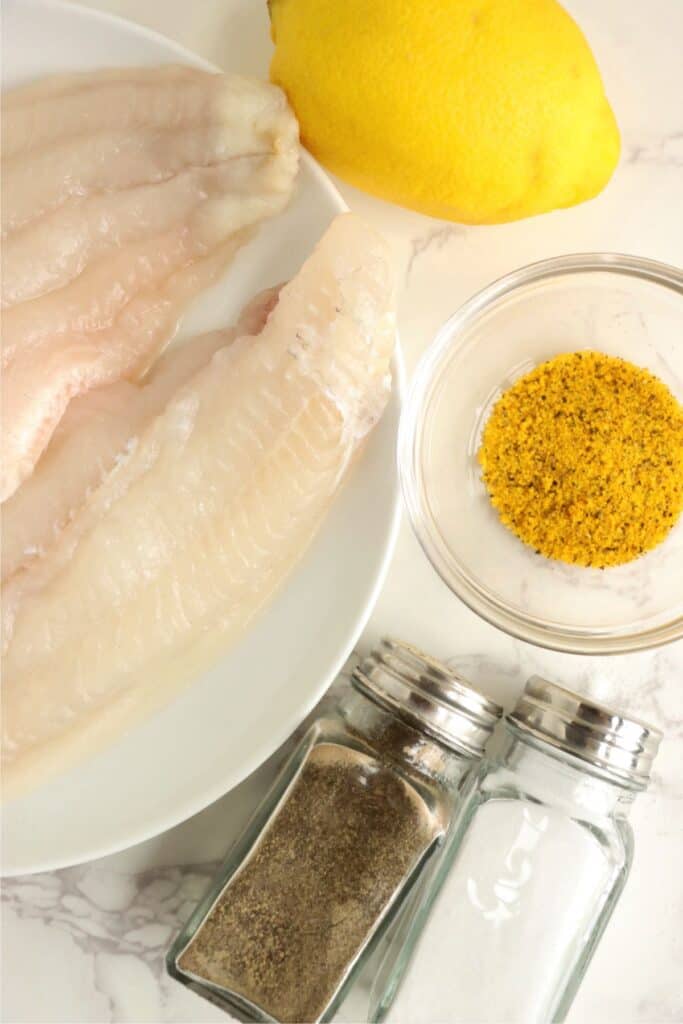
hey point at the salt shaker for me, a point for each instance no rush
(344, 836)
(531, 874)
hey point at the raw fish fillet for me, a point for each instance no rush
(94, 431)
(199, 523)
(124, 194)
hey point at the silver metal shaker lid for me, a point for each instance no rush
(428, 694)
(622, 748)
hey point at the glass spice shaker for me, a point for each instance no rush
(528, 881)
(338, 844)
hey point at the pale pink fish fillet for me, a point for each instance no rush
(140, 144)
(80, 231)
(109, 234)
(180, 97)
(72, 363)
(96, 429)
(69, 83)
(194, 530)
(104, 287)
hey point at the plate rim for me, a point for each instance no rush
(211, 794)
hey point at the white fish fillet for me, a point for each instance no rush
(95, 430)
(124, 194)
(197, 526)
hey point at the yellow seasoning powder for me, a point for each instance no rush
(583, 459)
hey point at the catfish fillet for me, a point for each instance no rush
(92, 435)
(124, 194)
(199, 523)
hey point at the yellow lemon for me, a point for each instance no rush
(480, 111)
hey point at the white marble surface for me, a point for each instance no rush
(87, 943)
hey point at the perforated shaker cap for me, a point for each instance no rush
(622, 748)
(428, 694)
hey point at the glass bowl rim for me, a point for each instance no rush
(446, 344)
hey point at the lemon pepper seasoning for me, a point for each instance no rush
(583, 459)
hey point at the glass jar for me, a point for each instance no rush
(531, 874)
(338, 844)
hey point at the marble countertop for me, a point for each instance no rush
(87, 943)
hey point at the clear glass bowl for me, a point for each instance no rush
(621, 305)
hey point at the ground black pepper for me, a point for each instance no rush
(291, 921)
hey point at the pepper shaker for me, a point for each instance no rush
(333, 852)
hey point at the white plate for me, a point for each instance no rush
(232, 719)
